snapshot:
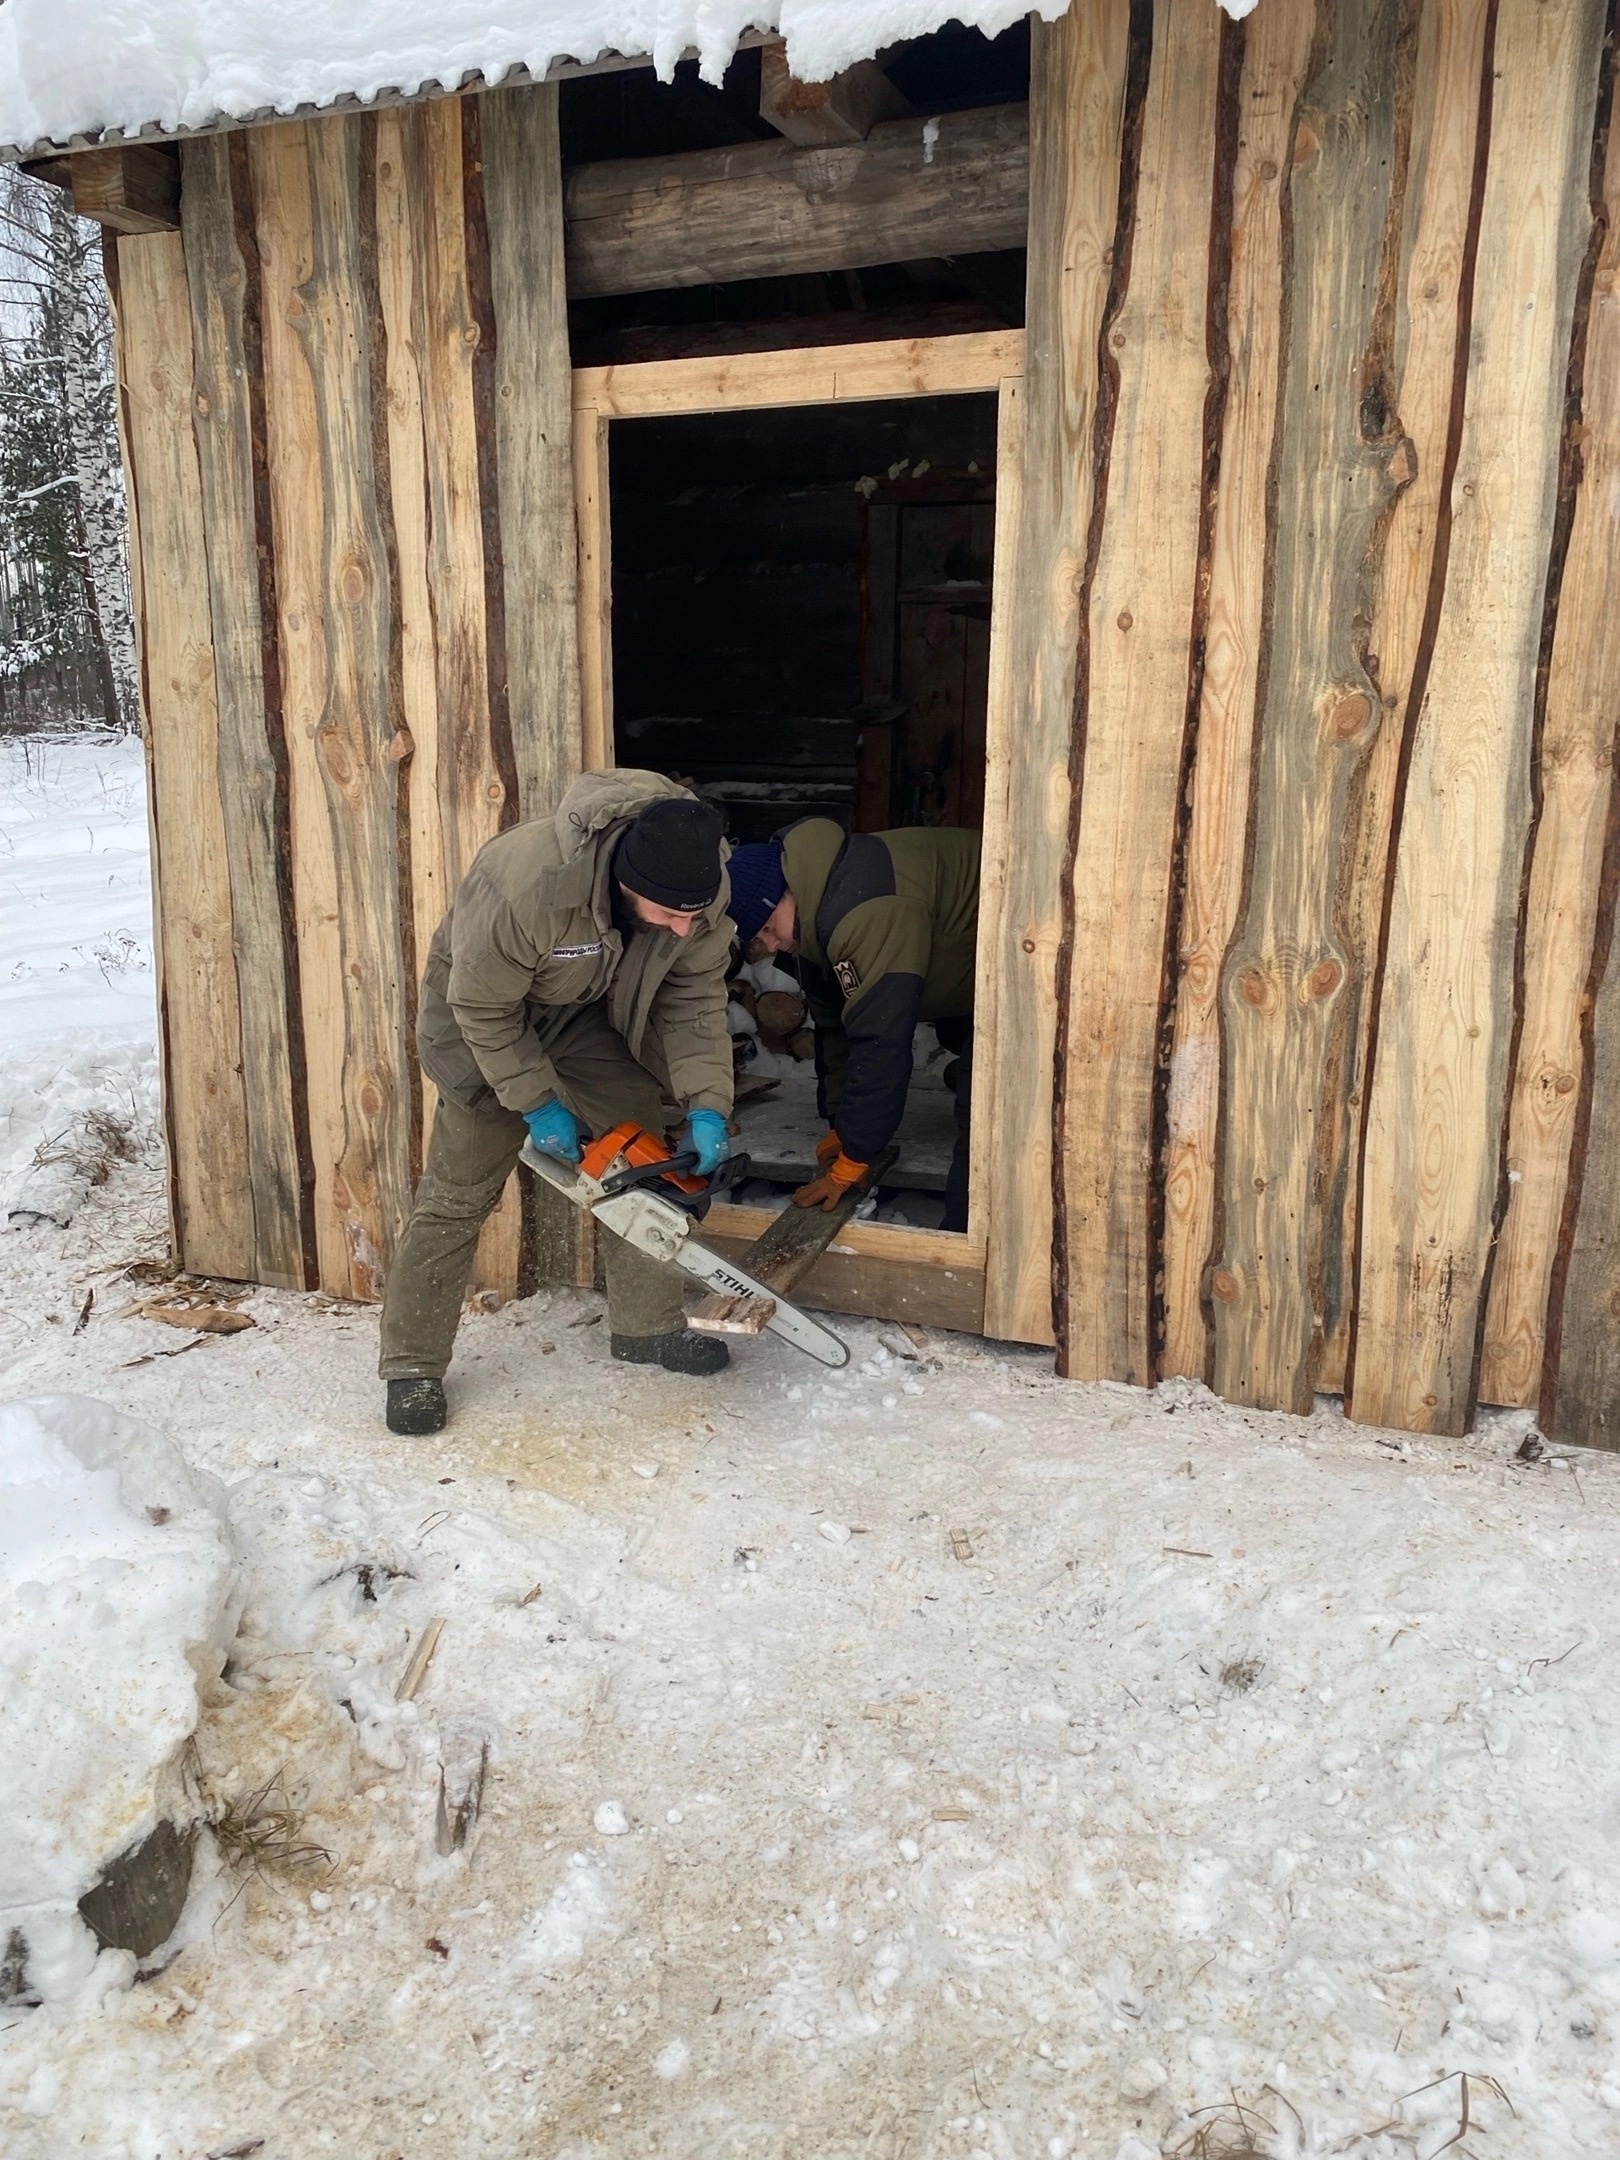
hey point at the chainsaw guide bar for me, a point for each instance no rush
(662, 1228)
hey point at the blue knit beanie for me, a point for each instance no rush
(757, 884)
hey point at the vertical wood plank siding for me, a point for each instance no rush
(1132, 709)
(1077, 103)
(1433, 1168)
(222, 274)
(1291, 976)
(1277, 45)
(199, 1008)
(1301, 1005)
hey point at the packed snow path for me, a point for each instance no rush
(933, 1760)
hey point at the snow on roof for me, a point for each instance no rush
(72, 69)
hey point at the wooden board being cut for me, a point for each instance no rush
(778, 1259)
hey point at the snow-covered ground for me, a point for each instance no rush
(935, 1759)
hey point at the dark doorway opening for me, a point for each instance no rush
(801, 625)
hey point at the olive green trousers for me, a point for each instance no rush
(471, 1154)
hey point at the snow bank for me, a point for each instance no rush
(70, 67)
(115, 1596)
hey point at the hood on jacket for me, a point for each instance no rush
(600, 799)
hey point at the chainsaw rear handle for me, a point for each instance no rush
(671, 1167)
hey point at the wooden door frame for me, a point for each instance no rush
(933, 1276)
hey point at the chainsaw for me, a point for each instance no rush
(632, 1184)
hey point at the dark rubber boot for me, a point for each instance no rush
(679, 1351)
(416, 1407)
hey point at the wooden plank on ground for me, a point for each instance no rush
(1341, 459)
(828, 375)
(1432, 1166)
(1077, 97)
(198, 991)
(343, 699)
(1133, 714)
(1276, 49)
(223, 279)
(955, 183)
(1578, 743)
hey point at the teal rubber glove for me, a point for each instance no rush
(708, 1140)
(555, 1130)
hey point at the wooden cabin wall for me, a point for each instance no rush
(1302, 1001)
(347, 410)
(1305, 864)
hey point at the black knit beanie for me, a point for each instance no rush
(671, 854)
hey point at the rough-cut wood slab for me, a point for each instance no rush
(1430, 339)
(1580, 1395)
(199, 1013)
(1277, 45)
(882, 1276)
(1133, 714)
(1077, 95)
(594, 589)
(1566, 891)
(223, 279)
(1433, 1159)
(533, 439)
(1341, 460)
(766, 209)
(130, 188)
(786, 1251)
(827, 375)
(315, 207)
(1004, 709)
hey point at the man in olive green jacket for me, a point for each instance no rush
(886, 926)
(577, 982)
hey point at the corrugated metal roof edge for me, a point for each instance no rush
(472, 79)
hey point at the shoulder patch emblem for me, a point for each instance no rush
(576, 952)
(849, 976)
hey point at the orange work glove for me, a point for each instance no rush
(834, 1182)
(828, 1149)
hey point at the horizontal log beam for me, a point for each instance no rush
(132, 189)
(955, 185)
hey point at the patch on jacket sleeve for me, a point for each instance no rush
(849, 976)
(576, 952)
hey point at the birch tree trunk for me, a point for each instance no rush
(86, 371)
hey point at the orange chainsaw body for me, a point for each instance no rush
(632, 1147)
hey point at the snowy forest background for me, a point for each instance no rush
(67, 648)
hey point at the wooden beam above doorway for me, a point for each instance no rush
(824, 375)
(954, 185)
